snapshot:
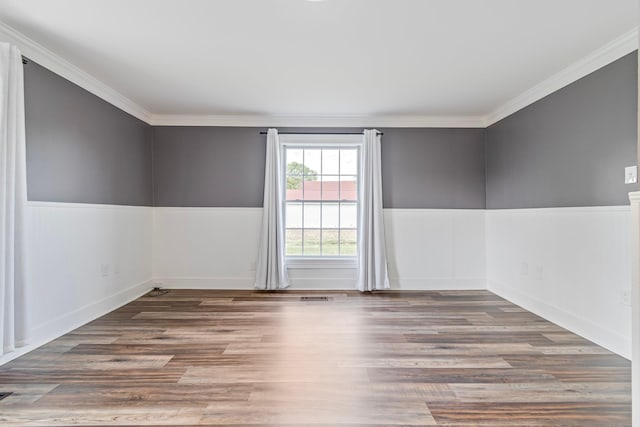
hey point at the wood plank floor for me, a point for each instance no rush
(269, 359)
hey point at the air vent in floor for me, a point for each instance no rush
(314, 298)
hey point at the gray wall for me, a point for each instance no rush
(218, 166)
(80, 148)
(570, 148)
(433, 168)
(208, 166)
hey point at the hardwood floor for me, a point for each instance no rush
(246, 358)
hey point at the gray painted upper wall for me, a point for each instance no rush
(80, 148)
(571, 147)
(224, 167)
(208, 166)
(568, 149)
(433, 168)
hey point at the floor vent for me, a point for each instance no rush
(156, 292)
(5, 394)
(314, 298)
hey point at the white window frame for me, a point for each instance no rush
(320, 141)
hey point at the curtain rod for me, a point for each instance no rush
(319, 133)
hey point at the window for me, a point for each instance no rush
(321, 203)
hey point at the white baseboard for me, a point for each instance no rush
(611, 340)
(319, 283)
(222, 283)
(437, 284)
(55, 328)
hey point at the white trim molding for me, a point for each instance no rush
(225, 283)
(317, 282)
(318, 121)
(599, 58)
(54, 62)
(75, 205)
(562, 209)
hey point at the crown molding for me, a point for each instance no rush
(318, 121)
(52, 61)
(605, 55)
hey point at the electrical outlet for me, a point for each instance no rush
(524, 269)
(252, 266)
(539, 272)
(626, 297)
(630, 174)
(105, 270)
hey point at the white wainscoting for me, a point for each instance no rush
(68, 245)
(436, 248)
(571, 266)
(205, 248)
(215, 248)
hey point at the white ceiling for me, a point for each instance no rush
(328, 58)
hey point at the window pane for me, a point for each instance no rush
(294, 215)
(311, 215)
(294, 241)
(311, 242)
(312, 188)
(294, 161)
(348, 242)
(330, 187)
(294, 188)
(349, 162)
(321, 201)
(312, 162)
(330, 215)
(330, 162)
(348, 188)
(348, 215)
(330, 242)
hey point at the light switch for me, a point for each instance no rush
(630, 174)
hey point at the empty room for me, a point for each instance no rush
(319, 213)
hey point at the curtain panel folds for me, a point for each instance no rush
(372, 256)
(271, 268)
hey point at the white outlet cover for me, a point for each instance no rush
(524, 269)
(626, 297)
(631, 174)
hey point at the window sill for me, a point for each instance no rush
(322, 263)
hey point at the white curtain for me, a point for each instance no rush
(271, 268)
(13, 198)
(372, 256)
